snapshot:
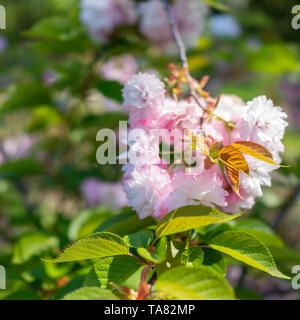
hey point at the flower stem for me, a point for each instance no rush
(181, 48)
(132, 255)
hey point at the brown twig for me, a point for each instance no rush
(181, 48)
(134, 256)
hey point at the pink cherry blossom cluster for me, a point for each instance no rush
(155, 188)
(101, 18)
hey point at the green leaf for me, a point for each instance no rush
(26, 95)
(56, 271)
(50, 27)
(214, 260)
(286, 256)
(86, 222)
(147, 255)
(90, 293)
(161, 248)
(191, 217)
(196, 256)
(20, 168)
(91, 279)
(72, 73)
(33, 244)
(197, 283)
(125, 223)
(22, 295)
(74, 284)
(170, 256)
(107, 120)
(258, 229)
(248, 249)
(60, 35)
(111, 89)
(42, 117)
(140, 239)
(246, 294)
(113, 269)
(98, 245)
(275, 58)
(218, 5)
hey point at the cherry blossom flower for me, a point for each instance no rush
(143, 90)
(154, 187)
(229, 109)
(146, 190)
(263, 123)
(143, 95)
(180, 114)
(206, 189)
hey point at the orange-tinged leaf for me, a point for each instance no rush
(254, 147)
(233, 158)
(234, 177)
(255, 150)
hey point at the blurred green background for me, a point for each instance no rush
(53, 100)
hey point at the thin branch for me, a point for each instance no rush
(153, 278)
(134, 256)
(176, 34)
(181, 48)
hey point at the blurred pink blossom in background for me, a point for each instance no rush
(101, 18)
(120, 68)
(189, 16)
(16, 148)
(96, 192)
